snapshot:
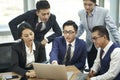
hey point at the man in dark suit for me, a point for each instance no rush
(60, 47)
(41, 20)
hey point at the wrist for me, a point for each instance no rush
(27, 73)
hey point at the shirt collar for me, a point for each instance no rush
(39, 20)
(92, 13)
(108, 46)
(33, 46)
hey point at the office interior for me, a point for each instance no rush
(63, 9)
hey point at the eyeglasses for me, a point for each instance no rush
(69, 32)
(95, 38)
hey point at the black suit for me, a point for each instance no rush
(32, 19)
(19, 57)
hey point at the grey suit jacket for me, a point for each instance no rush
(100, 17)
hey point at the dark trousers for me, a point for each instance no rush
(91, 56)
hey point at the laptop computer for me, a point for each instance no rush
(49, 71)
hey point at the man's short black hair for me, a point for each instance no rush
(42, 4)
(102, 30)
(70, 22)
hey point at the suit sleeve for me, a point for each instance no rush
(81, 28)
(115, 34)
(54, 51)
(56, 29)
(41, 54)
(15, 22)
(15, 62)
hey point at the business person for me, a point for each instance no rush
(91, 16)
(26, 52)
(41, 21)
(106, 65)
(61, 52)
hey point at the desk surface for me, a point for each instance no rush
(68, 68)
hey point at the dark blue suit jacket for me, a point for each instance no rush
(32, 19)
(59, 50)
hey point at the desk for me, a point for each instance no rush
(68, 68)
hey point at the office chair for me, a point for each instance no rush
(5, 56)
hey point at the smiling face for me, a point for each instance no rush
(27, 36)
(88, 5)
(43, 14)
(69, 33)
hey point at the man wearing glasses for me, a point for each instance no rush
(68, 49)
(106, 65)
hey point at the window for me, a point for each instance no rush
(8, 10)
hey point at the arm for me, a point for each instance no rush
(112, 28)
(114, 68)
(56, 29)
(54, 51)
(15, 22)
(15, 62)
(41, 53)
(80, 30)
(18, 63)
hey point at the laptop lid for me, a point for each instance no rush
(49, 71)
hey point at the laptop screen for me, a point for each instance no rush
(49, 71)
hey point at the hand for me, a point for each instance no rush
(55, 63)
(31, 74)
(88, 78)
(91, 73)
(44, 42)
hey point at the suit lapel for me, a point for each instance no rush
(23, 50)
(75, 50)
(63, 47)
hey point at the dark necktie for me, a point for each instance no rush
(38, 26)
(68, 54)
(101, 53)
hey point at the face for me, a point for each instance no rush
(88, 5)
(27, 36)
(43, 14)
(69, 33)
(99, 41)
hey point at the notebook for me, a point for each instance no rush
(49, 71)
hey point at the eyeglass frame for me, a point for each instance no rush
(96, 38)
(68, 32)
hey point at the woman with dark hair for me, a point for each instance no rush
(26, 52)
(91, 16)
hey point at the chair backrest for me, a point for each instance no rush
(5, 56)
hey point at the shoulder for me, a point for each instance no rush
(52, 16)
(100, 9)
(59, 38)
(82, 11)
(80, 41)
(18, 45)
(30, 13)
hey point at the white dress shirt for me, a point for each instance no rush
(114, 68)
(72, 50)
(30, 55)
